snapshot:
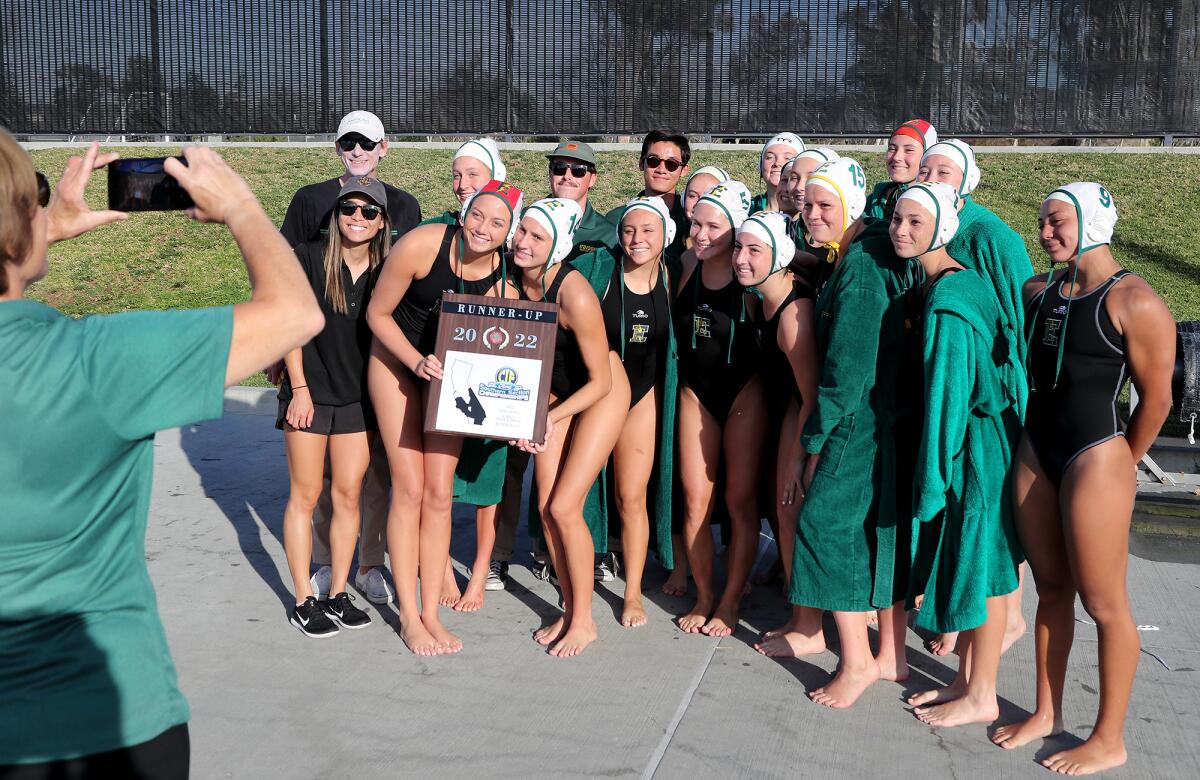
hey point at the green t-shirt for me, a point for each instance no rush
(593, 232)
(84, 663)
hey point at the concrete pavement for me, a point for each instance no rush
(650, 702)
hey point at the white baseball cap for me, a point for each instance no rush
(364, 123)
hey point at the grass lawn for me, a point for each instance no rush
(168, 261)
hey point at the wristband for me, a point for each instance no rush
(298, 387)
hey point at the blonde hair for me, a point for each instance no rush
(335, 293)
(18, 198)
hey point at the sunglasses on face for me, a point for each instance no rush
(653, 161)
(348, 143)
(578, 170)
(369, 210)
(43, 189)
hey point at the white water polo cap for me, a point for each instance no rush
(656, 205)
(941, 201)
(771, 228)
(559, 218)
(845, 178)
(731, 197)
(720, 174)
(962, 155)
(822, 154)
(487, 152)
(790, 140)
(1095, 209)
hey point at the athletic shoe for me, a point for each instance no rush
(545, 572)
(375, 586)
(606, 569)
(320, 582)
(497, 575)
(312, 620)
(345, 613)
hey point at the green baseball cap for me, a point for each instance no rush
(575, 150)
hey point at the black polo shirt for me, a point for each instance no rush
(308, 214)
(335, 361)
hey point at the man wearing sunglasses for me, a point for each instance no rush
(360, 146)
(664, 162)
(572, 175)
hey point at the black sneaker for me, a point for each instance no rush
(312, 620)
(497, 575)
(346, 614)
(545, 571)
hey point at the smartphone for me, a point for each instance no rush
(141, 184)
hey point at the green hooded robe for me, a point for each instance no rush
(988, 246)
(848, 532)
(964, 547)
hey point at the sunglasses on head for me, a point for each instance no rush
(348, 143)
(369, 210)
(578, 170)
(43, 189)
(653, 161)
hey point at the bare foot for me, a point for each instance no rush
(1036, 726)
(1087, 759)
(892, 668)
(447, 642)
(450, 592)
(697, 617)
(472, 599)
(791, 644)
(676, 585)
(846, 686)
(724, 622)
(938, 695)
(1012, 632)
(787, 628)
(551, 632)
(632, 616)
(959, 712)
(575, 640)
(417, 638)
(942, 644)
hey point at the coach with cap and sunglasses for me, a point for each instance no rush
(360, 146)
(572, 176)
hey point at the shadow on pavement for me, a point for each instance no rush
(243, 469)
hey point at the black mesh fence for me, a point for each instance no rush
(719, 67)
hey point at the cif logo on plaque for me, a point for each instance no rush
(496, 355)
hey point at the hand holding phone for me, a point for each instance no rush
(141, 184)
(218, 192)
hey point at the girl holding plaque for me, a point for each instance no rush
(403, 315)
(584, 417)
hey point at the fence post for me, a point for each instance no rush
(323, 47)
(156, 69)
(510, 121)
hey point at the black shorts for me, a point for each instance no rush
(333, 420)
(166, 757)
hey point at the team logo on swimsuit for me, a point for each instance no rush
(1050, 334)
(495, 337)
(641, 314)
(639, 334)
(701, 326)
